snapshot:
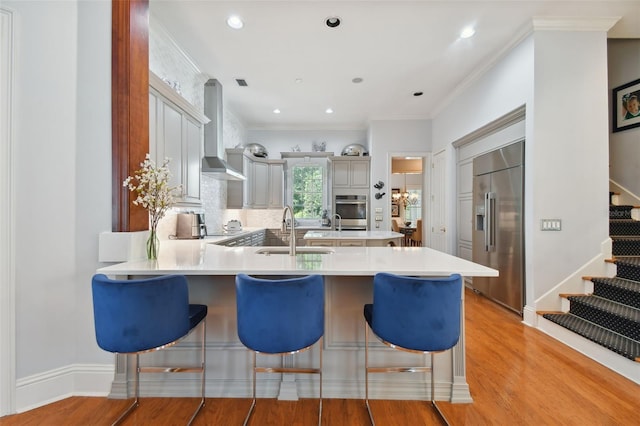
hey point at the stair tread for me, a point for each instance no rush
(615, 342)
(609, 306)
(618, 282)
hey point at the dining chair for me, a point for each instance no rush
(395, 224)
(144, 315)
(280, 317)
(413, 314)
(416, 236)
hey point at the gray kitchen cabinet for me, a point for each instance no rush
(235, 188)
(350, 172)
(176, 132)
(264, 186)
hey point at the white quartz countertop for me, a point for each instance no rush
(352, 235)
(203, 257)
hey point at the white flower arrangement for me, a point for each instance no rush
(153, 190)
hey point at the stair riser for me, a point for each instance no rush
(624, 228)
(620, 212)
(626, 247)
(611, 321)
(628, 271)
(616, 294)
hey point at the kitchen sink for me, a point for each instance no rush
(267, 251)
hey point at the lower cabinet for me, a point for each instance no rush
(353, 243)
(255, 239)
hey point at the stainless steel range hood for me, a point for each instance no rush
(213, 163)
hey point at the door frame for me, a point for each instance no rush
(7, 219)
(426, 189)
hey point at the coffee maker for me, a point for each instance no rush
(190, 226)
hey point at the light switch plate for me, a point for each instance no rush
(550, 224)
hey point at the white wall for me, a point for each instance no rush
(566, 147)
(393, 138)
(63, 189)
(624, 146)
(569, 154)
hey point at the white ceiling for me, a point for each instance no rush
(396, 47)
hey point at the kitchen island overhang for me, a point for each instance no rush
(348, 273)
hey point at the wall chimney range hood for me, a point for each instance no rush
(213, 163)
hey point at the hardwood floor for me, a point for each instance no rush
(517, 376)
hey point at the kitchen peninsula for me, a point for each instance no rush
(348, 273)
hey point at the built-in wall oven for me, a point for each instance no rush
(353, 211)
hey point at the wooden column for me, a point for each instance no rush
(129, 106)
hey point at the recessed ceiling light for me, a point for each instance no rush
(357, 80)
(418, 93)
(235, 22)
(332, 21)
(298, 80)
(467, 32)
(276, 111)
(329, 111)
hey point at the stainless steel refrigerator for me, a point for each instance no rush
(498, 178)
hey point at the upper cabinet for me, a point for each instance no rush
(350, 172)
(264, 186)
(176, 132)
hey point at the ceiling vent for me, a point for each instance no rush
(241, 82)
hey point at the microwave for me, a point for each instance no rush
(353, 211)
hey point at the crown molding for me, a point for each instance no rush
(574, 23)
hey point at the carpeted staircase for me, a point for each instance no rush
(610, 316)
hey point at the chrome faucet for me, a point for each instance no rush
(292, 237)
(336, 215)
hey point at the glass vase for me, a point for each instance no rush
(153, 245)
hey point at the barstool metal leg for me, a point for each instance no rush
(433, 394)
(203, 358)
(320, 373)
(136, 401)
(366, 372)
(253, 402)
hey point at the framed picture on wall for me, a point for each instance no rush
(395, 194)
(626, 106)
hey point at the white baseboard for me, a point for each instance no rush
(55, 385)
(95, 380)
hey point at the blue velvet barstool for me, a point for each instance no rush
(144, 315)
(420, 315)
(280, 317)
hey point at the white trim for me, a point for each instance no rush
(574, 23)
(7, 220)
(60, 383)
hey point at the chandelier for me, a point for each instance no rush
(405, 197)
